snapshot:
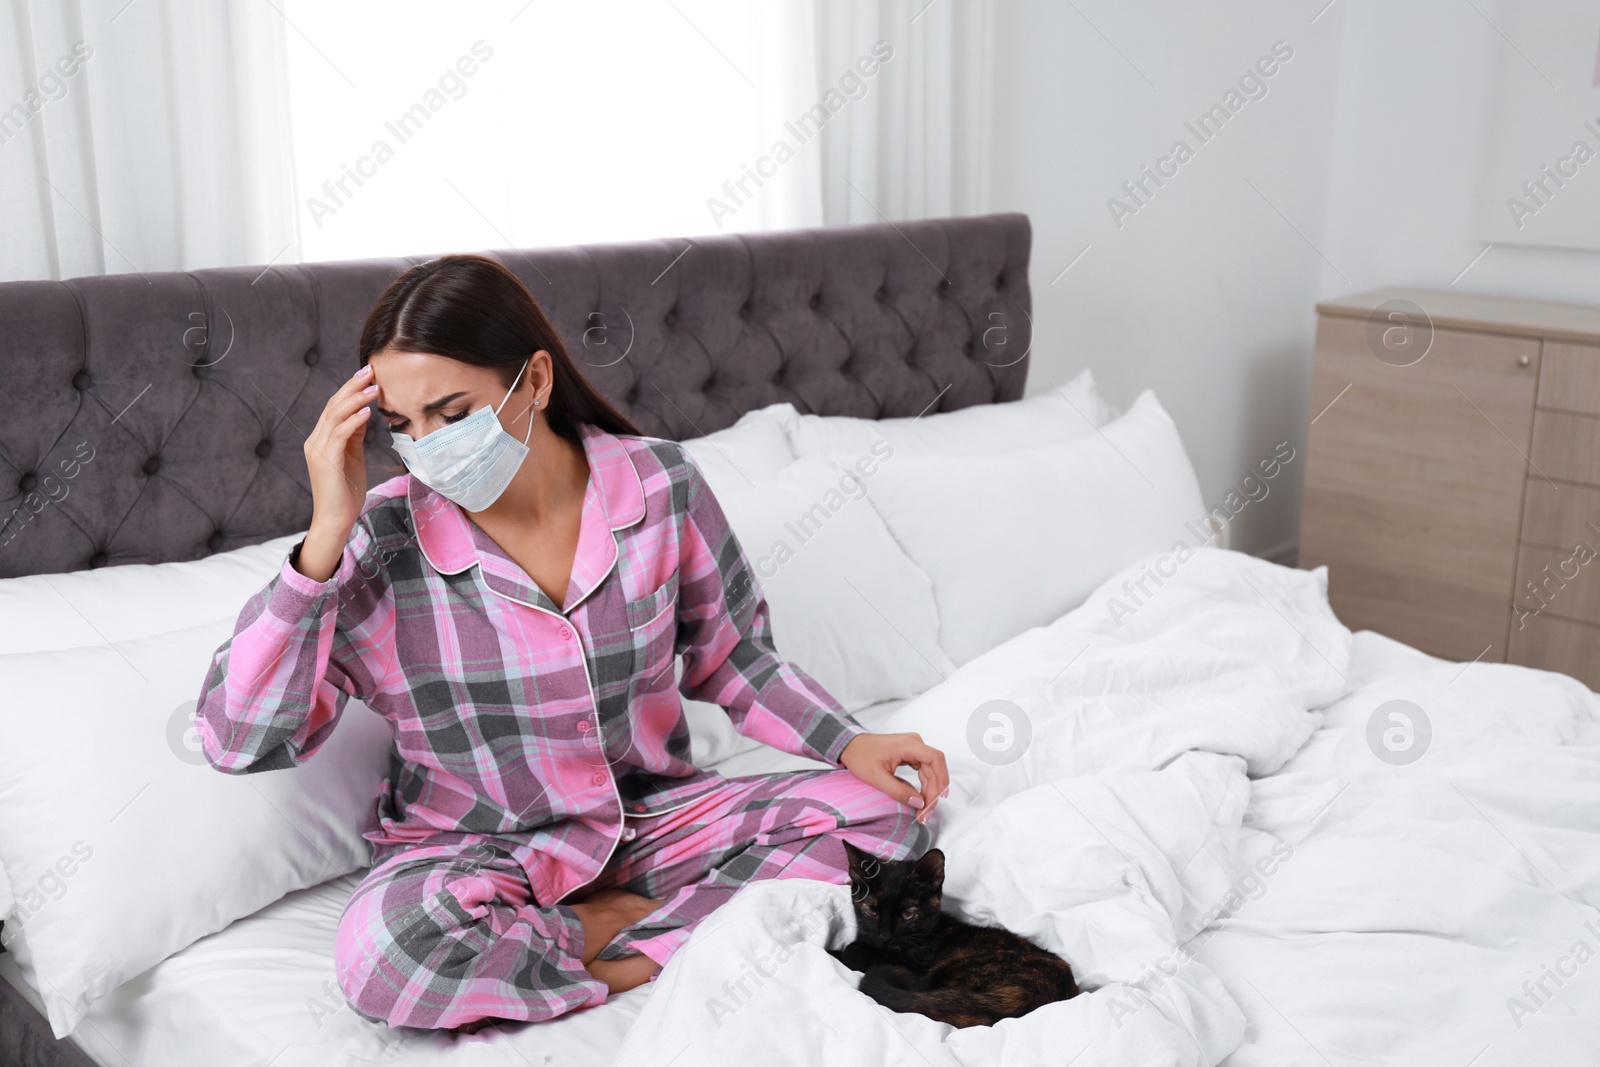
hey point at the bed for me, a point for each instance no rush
(1258, 837)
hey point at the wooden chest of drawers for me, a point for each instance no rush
(1453, 474)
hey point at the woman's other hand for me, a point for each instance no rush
(873, 758)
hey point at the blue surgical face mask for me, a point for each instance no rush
(470, 462)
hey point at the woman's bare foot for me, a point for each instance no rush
(604, 914)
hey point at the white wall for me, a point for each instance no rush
(1368, 143)
(1416, 85)
(1206, 293)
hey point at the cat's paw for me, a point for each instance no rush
(890, 976)
(853, 956)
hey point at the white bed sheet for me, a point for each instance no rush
(261, 992)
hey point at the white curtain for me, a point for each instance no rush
(916, 145)
(142, 136)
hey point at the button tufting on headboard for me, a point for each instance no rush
(144, 415)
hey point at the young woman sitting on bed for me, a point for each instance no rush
(515, 606)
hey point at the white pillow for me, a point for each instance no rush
(1064, 413)
(44, 611)
(1014, 540)
(41, 612)
(847, 605)
(752, 452)
(122, 844)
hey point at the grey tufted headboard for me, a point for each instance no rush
(147, 418)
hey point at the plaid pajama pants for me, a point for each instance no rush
(440, 935)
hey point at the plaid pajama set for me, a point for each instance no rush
(542, 750)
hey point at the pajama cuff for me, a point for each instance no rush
(294, 596)
(567, 932)
(848, 732)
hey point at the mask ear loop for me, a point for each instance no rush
(529, 435)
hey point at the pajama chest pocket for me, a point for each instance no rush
(653, 624)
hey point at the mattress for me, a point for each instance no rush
(261, 991)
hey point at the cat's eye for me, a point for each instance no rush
(909, 913)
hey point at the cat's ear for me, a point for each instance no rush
(863, 864)
(929, 870)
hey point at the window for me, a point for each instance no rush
(422, 128)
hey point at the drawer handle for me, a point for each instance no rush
(1524, 361)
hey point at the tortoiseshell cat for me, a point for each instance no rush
(916, 958)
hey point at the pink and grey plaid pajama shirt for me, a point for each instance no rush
(540, 751)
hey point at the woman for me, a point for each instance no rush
(514, 606)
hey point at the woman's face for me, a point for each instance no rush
(418, 392)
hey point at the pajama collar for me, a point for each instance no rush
(612, 501)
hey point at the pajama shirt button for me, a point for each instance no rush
(599, 779)
(565, 633)
(583, 726)
(638, 807)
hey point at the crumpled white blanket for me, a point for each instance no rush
(1112, 839)
(1439, 910)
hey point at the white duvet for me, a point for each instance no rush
(1443, 912)
(1197, 821)
(1112, 839)
(1231, 883)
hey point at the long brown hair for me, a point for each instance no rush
(472, 309)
